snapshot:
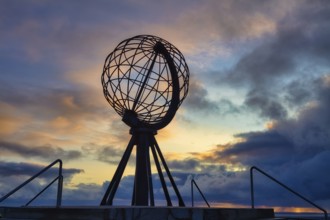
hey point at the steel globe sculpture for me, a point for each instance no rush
(145, 79)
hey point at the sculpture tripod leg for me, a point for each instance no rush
(180, 200)
(143, 186)
(111, 191)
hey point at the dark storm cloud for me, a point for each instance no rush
(189, 164)
(41, 152)
(301, 36)
(307, 177)
(264, 148)
(261, 66)
(279, 73)
(267, 148)
(266, 104)
(294, 151)
(311, 130)
(300, 92)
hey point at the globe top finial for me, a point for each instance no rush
(145, 79)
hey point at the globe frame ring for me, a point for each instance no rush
(145, 79)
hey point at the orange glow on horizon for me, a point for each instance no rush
(277, 209)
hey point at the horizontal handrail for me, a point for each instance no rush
(193, 182)
(284, 186)
(59, 188)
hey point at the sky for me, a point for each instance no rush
(259, 95)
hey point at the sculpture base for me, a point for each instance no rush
(133, 212)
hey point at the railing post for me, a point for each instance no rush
(193, 182)
(252, 187)
(192, 193)
(60, 185)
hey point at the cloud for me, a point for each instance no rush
(51, 102)
(10, 120)
(188, 164)
(237, 20)
(60, 116)
(293, 150)
(113, 155)
(8, 169)
(265, 148)
(266, 105)
(40, 152)
(278, 73)
(83, 194)
(280, 55)
(274, 52)
(110, 154)
(197, 99)
(14, 174)
(299, 92)
(61, 33)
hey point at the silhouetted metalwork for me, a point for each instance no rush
(192, 183)
(145, 79)
(284, 186)
(58, 178)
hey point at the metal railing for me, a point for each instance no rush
(59, 187)
(193, 182)
(284, 186)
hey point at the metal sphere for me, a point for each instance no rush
(145, 79)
